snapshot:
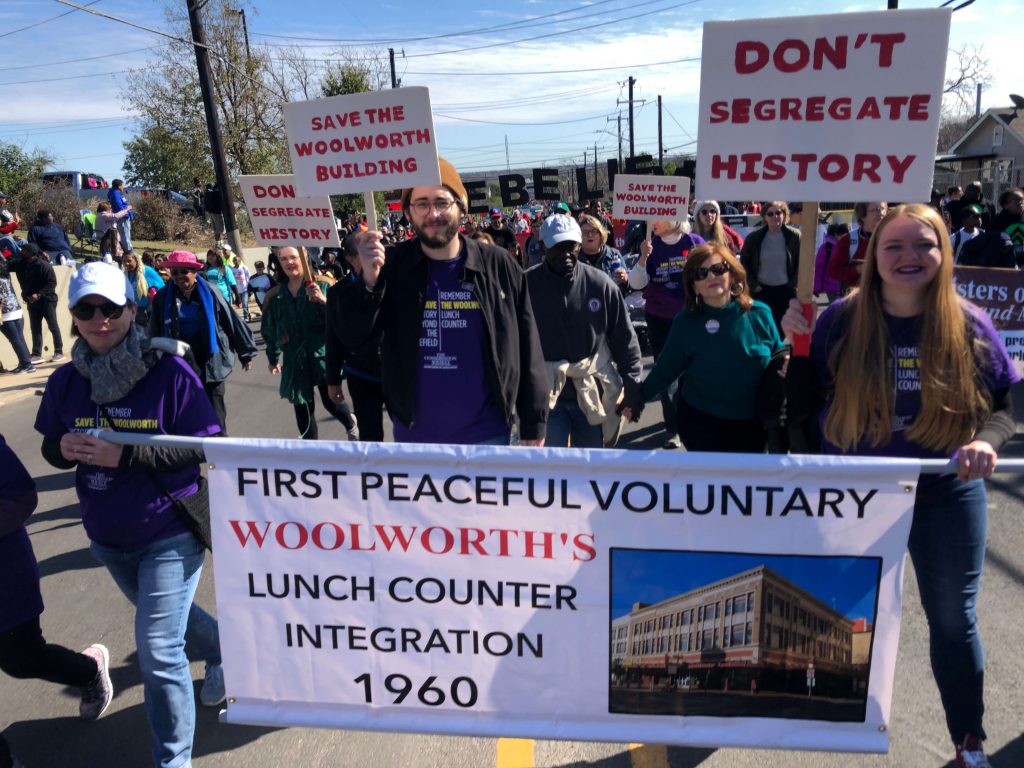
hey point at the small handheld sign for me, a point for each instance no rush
(280, 216)
(363, 142)
(651, 198)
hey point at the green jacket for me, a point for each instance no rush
(293, 328)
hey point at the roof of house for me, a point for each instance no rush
(1009, 116)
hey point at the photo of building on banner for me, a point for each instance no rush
(280, 216)
(363, 142)
(460, 590)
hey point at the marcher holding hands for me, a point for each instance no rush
(905, 367)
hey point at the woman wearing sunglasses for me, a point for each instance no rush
(118, 379)
(719, 345)
(771, 256)
(709, 225)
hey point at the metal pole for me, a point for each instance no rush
(245, 32)
(661, 163)
(619, 120)
(391, 55)
(632, 146)
(220, 165)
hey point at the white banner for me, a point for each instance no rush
(280, 216)
(827, 108)
(363, 142)
(651, 198)
(560, 594)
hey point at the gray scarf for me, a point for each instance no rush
(114, 374)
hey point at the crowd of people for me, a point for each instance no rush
(535, 340)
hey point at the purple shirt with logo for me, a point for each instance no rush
(665, 294)
(20, 599)
(996, 369)
(124, 509)
(453, 402)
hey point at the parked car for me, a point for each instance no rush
(85, 185)
(134, 193)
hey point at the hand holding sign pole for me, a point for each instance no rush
(805, 274)
(363, 142)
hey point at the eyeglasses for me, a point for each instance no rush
(774, 213)
(423, 207)
(719, 269)
(88, 311)
(589, 232)
(709, 212)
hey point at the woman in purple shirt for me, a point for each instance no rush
(914, 370)
(659, 273)
(118, 379)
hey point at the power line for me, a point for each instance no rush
(71, 77)
(550, 34)
(555, 71)
(494, 122)
(46, 21)
(461, 33)
(129, 23)
(76, 61)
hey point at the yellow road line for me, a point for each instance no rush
(648, 756)
(515, 753)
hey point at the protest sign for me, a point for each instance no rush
(1000, 293)
(651, 198)
(280, 216)
(555, 593)
(824, 108)
(363, 142)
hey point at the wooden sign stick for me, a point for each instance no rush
(805, 276)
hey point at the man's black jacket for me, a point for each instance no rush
(513, 359)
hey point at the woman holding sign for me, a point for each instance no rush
(905, 367)
(659, 273)
(771, 256)
(719, 346)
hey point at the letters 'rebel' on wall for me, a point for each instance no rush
(828, 108)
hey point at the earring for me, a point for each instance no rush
(737, 289)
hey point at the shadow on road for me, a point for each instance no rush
(59, 481)
(76, 560)
(649, 756)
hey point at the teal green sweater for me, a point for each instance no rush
(721, 354)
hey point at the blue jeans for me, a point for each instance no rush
(14, 330)
(160, 581)
(8, 243)
(566, 420)
(124, 229)
(947, 546)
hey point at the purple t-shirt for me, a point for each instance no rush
(996, 368)
(20, 599)
(124, 509)
(665, 294)
(453, 402)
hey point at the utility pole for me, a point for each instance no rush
(632, 146)
(391, 56)
(595, 165)
(620, 138)
(245, 33)
(507, 168)
(661, 164)
(220, 165)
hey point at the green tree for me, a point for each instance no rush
(20, 169)
(158, 157)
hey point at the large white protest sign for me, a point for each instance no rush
(362, 142)
(280, 216)
(829, 108)
(552, 593)
(651, 198)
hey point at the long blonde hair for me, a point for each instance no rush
(141, 283)
(953, 400)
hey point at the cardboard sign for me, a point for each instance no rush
(557, 593)
(825, 108)
(280, 216)
(651, 198)
(362, 142)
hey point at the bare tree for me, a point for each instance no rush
(967, 68)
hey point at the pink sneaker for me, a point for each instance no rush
(971, 754)
(98, 694)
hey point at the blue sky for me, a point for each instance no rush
(848, 584)
(481, 98)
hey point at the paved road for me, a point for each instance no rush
(83, 606)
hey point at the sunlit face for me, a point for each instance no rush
(591, 238)
(908, 255)
(434, 215)
(102, 333)
(562, 257)
(130, 262)
(663, 228)
(874, 215)
(775, 217)
(290, 261)
(713, 289)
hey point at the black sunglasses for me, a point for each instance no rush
(719, 269)
(88, 311)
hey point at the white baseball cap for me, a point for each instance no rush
(97, 279)
(558, 228)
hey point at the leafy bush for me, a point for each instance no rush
(35, 197)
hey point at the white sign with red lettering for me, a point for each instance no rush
(828, 108)
(363, 142)
(280, 216)
(651, 198)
